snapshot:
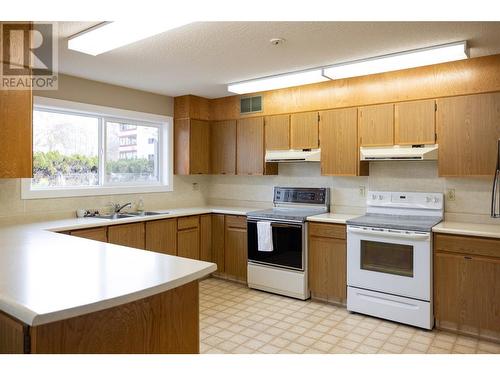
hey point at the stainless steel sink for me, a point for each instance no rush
(114, 216)
(146, 213)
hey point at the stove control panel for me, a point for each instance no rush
(318, 196)
(430, 201)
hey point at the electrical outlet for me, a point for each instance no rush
(362, 190)
(195, 186)
(450, 194)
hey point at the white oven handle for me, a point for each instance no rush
(387, 234)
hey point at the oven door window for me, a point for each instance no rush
(388, 258)
(287, 246)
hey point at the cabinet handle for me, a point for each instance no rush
(467, 257)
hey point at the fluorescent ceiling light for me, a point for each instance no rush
(278, 82)
(110, 35)
(398, 61)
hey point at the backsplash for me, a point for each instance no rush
(13, 207)
(472, 196)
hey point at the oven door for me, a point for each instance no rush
(390, 261)
(288, 245)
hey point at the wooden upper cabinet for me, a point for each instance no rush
(415, 123)
(199, 147)
(277, 130)
(304, 130)
(376, 125)
(468, 128)
(16, 158)
(132, 235)
(250, 146)
(223, 147)
(161, 236)
(339, 142)
(191, 106)
(192, 146)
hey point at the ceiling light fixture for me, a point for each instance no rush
(398, 61)
(110, 35)
(280, 81)
(386, 63)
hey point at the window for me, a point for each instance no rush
(79, 152)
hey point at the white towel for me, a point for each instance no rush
(264, 236)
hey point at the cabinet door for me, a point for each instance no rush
(161, 236)
(467, 294)
(206, 238)
(96, 234)
(304, 130)
(415, 123)
(16, 134)
(218, 241)
(339, 142)
(277, 130)
(131, 235)
(376, 125)
(327, 266)
(188, 243)
(235, 249)
(250, 146)
(223, 147)
(468, 130)
(199, 147)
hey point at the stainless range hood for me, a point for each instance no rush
(420, 152)
(293, 156)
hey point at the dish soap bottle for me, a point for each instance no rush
(140, 205)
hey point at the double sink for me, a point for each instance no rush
(130, 214)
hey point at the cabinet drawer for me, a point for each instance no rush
(188, 222)
(467, 245)
(236, 221)
(327, 230)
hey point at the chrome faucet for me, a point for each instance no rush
(117, 207)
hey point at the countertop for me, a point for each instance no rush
(47, 276)
(468, 229)
(333, 218)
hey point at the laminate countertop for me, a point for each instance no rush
(332, 218)
(468, 229)
(47, 276)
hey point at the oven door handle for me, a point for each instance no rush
(285, 225)
(370, 232)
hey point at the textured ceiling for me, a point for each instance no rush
(201, 58)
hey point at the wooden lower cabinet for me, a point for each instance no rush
(218, 230)
(161, 236)
(188, 237)
(131, 235)
(467, 285)
(12, 335)
(235, 247)
(164, 323)
(206, 238)
(96, 234)
(327, 262)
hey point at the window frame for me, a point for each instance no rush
(109, 114)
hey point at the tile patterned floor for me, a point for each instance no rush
(235, 319)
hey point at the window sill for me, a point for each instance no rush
(27, 193)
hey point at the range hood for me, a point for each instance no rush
(420, 152)
(292, 156)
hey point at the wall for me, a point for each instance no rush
(98, 93)
(472, 195)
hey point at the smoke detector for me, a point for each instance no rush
(276, 41)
